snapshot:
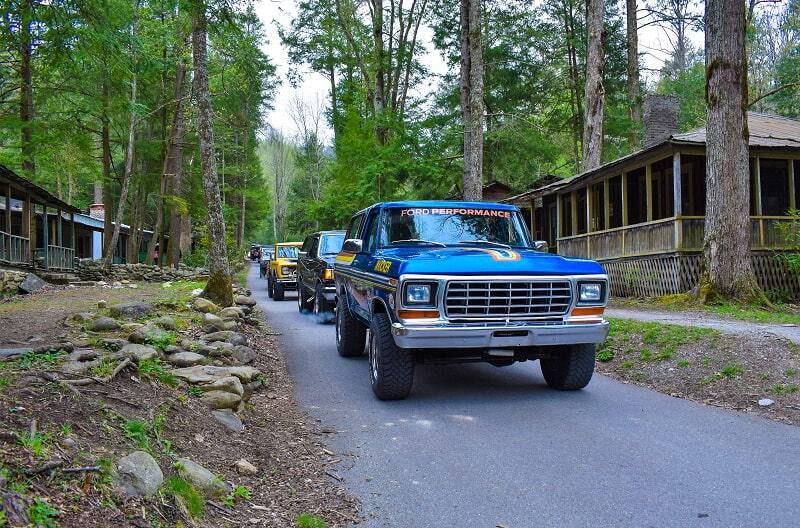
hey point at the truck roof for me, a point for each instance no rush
(448, 203)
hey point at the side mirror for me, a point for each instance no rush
(540, 245)
(352, 245)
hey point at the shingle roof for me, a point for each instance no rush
(766, 130)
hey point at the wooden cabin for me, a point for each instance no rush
(642, 215)
(36, 228)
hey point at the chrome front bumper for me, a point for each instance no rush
(500, 335)
(330, 293)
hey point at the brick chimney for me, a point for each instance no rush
(660, 118)
(97, 211)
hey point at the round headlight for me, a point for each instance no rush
(285, 270)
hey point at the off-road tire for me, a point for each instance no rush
(320, 304)
(391, 368)
(570, 367)
(277, 291)
(269, 286)
(303, 303)
(351, 335)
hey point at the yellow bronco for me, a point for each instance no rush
(283, 269)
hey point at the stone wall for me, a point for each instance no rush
(10, 281)
(94, 270)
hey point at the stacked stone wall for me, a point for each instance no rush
(94, 270)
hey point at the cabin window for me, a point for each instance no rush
(774, 187)
(615, 202)
(566, 215)
(580, 202)
(636, 196)
(663, 193)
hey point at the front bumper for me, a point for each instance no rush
(497, 335)
(330, 292)
(289, 283)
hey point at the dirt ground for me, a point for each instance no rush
(296, 472)
(704, 365)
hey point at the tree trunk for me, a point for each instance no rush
(218, 288)
(175, 168)
(126, 177)
(105, 140)
(727, 267)
(471, 88)
(26, 90)
(594, 93)
(633, 73)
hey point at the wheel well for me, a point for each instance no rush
(378, 306)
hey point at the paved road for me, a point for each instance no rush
(481, 446)
(727, 326)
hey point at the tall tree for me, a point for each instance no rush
(728, 270)
(471, 90)
(632, 30)
(595, 92)
(218, 288)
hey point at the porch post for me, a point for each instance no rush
(759, 209)
(573, 205)
(790, 172)
(72, 232)
(559, 234)
(606, 208)
(45, 236)
(8, 211)
(648, 183)
(59, 230)
(30, 227)
(677, 198)
(533, 218)
(624, 197)
(588, 219)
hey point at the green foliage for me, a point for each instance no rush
(103, 369)
(42, 515)
(136, 431)
(39, 360)
(605, 354)
(192, 499)
(780, 389)
(730, 370)
(155, 368)
(38, 443)
(239, 493)
(306, 520)
(163, 340)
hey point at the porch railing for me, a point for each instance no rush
(14, 248)
(671, 234)
(60, 258)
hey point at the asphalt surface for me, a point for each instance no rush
(481, 446)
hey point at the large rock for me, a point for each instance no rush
(104, 324)
(227, 384)
(211, 373)
(138, 475)
(221, 399)
(202, 304)
(243, 355)
(131, 310)
(244, 467)
(212, 323)
(166, 322)
(244, 300)
(113, 343)
(228, 336)
(149, 334)
(185, 359)
(31, 283)
(229, 419)
(232, 312)
(138, 352)
(202, 479)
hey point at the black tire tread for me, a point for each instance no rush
(396, 364)
(277, 291)
(353, 335)
(570, 368)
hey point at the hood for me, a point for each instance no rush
(471, 260)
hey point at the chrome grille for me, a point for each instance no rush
(477, 299)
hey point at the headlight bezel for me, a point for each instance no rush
(595, 300)
(286, 271)
(431, 300)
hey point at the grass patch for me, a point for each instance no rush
(782, 313)
(781, 389)
(39, 360)
(42, 515)
(661, 340)
(37, 443)
(155, 368)
(306, 520)
(136, 431)
(730, 370)
(103, 369)
(239, 493)
(192, 499)
(163, 340)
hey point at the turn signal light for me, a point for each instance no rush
(588, 310)
(327, 274)
(418, 314)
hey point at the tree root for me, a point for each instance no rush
(89, 381)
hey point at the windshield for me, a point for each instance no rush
(452, 226)
(331, 244)
(289, 252)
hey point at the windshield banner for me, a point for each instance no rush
(455, 211)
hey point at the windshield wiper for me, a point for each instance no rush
(418, 241)
(484, 242)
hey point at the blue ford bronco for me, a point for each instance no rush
(453, 282)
